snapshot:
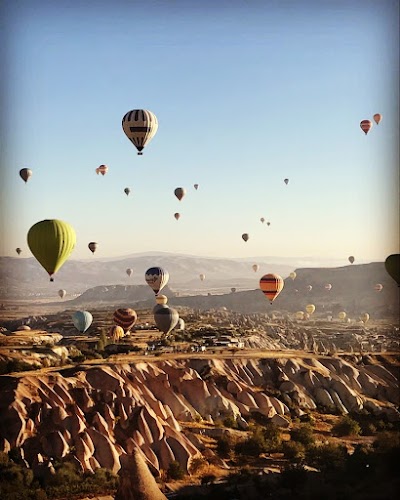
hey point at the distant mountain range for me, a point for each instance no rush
(22, 278)
(352, 291)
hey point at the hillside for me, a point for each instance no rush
(352, 291)
(24, 277)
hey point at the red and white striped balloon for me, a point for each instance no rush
(366, 126)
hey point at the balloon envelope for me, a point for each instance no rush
(293, 275)
(392, 265)
(166, 319)
(129, 272)
(177, 215)
(25, 174)
(180, 192)
(62, 293)
(127, 191)
(18, 250)
(351, 259)
(103, 169)
(245, 236)
(161, 299)
(365, 317)
(271, 286)
(342, 315)
(378, 287)
(82, 320)
(300, 315)
(92, 246)
(262, 220)
(233, 290)
(140, 126)
(196, 186)
(255, 267)
(286, 181)
(125, 318)
(377, 118)
(51, 241)
(202, 277)
(156, 278)
(366, 126)
(310, 308)
(116, 333)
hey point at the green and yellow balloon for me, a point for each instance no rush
(51, 241)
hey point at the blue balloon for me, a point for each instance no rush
(82, 320)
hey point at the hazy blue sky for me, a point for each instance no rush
(247, 93)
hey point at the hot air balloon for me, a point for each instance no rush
(378, 287)
(129, 272)
(18, 250)
(364, 317)
(103, 169)
(377, 118)
(286, 181)
(310, 308)
(392, 265)
(271, 286)
(268, 223)
(161, 299)
(62, 293)
(116, 333)
(245, 236)
(51, 242)
(233, 290)
(366, 126)
(202, 277)
(125, 318)
(140, 126)
(92, 246)
(25, 174)
(262, 220)
(196, 186)
(300, 315)
(342, 315)
(328, 287)
(82, 320)
(180, 325)
(351, 259)
(177, 215)
(127, 191)
(292, 275)
(166, 319)
(180, 193)
(255, 267)
(156, 278)
(309, 287)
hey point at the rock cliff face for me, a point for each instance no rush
(101, 414)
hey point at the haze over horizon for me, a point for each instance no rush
(245, 97)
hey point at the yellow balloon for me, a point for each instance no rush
(161, 299)
(310, 308)
(300, 315)
(342, 315)
(292, 275)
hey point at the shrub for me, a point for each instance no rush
(327, 457)
(230, 422)
(346, 427)
(224, 446)
(304, 435)
(175, 471)
(293, 477)
(293, 450)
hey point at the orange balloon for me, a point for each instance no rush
(377, 118)
(271, 286)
